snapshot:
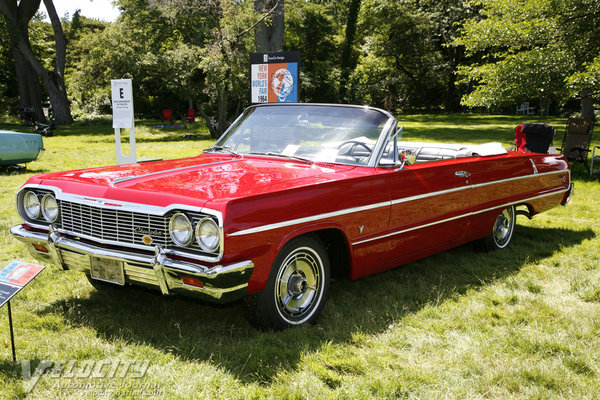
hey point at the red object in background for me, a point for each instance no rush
(167, 115)
(189, 117)
(534, 137)
(520, 138)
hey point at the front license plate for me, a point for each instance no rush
(107, 270)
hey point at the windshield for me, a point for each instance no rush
(336, 134)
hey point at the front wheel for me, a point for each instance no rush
(502, 231)
(297, 288)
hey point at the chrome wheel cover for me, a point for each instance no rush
(503, 227)
(299, 285)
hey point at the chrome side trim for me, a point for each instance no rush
(309, 219)
(466, 187)
(535, 170)
(382, 204)
(458, 217)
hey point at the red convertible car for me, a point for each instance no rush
(289, 197)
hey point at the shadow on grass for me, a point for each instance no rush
(196, 331)
(11, 170)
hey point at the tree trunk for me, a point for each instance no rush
(221, 112)
(18, 17)
(55, 80)
(212, 129)
(269, 33)
(587, 105)
(58, 98)
(30, 93)
(347, 63)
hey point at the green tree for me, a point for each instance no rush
(348, 61)
(399, 66)
(447, 17)
(269, 33)
(532, 49)
(135, 46)
(28, 67)
(9, 96)
(224, 39)
(311, 28)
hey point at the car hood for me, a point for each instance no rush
(208, 177)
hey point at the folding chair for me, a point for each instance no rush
(167, 115)
(189, 118)
(27, 116)
(534, 137)
(576, 142)
(594, 158)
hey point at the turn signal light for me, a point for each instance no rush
(40, 248)
(188, 280)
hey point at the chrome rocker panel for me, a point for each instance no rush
(222, 283)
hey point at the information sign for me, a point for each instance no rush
(274, 77)
(122, 103)
(14, 277)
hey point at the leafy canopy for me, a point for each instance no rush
(528, 49)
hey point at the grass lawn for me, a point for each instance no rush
(523, 323)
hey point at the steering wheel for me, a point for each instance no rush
(354, 145)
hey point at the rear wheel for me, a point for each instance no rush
(297, 288)
(502, 230)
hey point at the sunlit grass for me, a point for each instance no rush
(516, 324)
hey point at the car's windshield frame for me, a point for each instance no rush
(388, 121)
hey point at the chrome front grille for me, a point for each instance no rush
(118, 226)
(113, 225)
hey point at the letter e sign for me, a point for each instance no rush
(122, 103)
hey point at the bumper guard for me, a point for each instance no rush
(221, 283)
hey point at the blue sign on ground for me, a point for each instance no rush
(7, 292)
(14, 277)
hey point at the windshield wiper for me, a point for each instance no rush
(269, 153)
(225, 149)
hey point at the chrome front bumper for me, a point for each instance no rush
(221, 283)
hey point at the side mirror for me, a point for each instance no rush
(409, 156)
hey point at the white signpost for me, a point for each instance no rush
(122, 105)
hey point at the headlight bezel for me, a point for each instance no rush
(49, 197)
(28, 195)
(207, 221)
(171, 229)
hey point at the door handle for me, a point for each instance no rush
(462, 174)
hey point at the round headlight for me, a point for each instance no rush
(207, 234)
(49, 208)
(180, 229)
(31, 205)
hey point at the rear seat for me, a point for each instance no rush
(426, 153)
(434, 153)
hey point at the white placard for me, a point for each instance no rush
(122, 103)
(260, 84)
